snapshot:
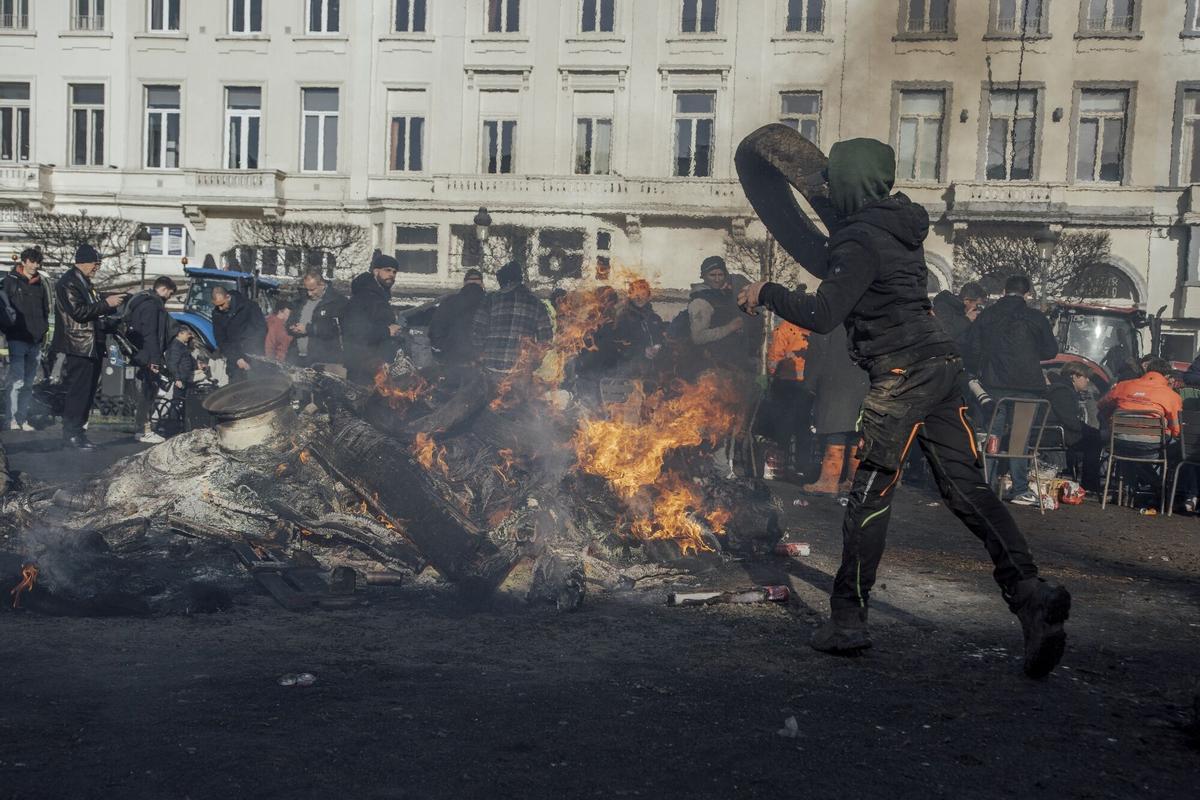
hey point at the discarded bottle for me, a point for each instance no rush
(1148, 512)
(793, 549)
(758, 594)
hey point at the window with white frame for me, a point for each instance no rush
(801, 111)
(245, 16)
(1109, 16)
(14, 14)
(162, 127)
(406, 130)
(1100, 135)
(560, 253)
(15, 111)
(503, 16)
(695, 121)
(593, 133)
(699, 16)
(319, 145)
(919, 135)
(1018, 16)
(410, 16)
(597, 16)
(163, 16)
(169, 240)
(243, 126)
(927, 16)
(1012, 124)
(1189, 138)
(417, 249)
(805, 16)
(498, 132)
(87, 124)
(87, 15)
(324, 16)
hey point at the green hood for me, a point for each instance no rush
(861, 171)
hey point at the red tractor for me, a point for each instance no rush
(1105, 338)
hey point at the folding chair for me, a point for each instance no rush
(1143, 425)
(1189, 451)
(1026, 426)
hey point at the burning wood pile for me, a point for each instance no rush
(479, 479)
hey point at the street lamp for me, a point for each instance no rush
(141, 244)
(483, 221)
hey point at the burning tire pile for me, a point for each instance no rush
(483, 481)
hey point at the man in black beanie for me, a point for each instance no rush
(718, 331)
(369, 328)
(875, 284)
(79, 336)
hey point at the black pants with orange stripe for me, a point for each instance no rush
(924, 405)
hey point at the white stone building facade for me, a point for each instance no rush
(600, 133)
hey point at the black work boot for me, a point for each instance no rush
(1042, 609)
(845, 633)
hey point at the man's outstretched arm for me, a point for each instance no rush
(852, 269)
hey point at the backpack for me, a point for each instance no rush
(118, 326)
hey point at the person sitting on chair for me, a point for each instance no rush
(1149, 394)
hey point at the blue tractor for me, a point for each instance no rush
(198, 308)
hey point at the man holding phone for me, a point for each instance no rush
(79, 335)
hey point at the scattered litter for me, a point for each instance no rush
(800, 502)
(933, 505)
(843, 501)
(758, 594)
(1166, 558)
(1148, 512)
(793, 549)
(790, 729)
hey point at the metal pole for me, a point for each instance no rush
(143, 284)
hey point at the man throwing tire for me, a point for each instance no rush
(875, 285)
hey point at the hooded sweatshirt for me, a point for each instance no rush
(876, 281)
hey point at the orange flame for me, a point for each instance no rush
(503, 470)
(29, 573)
(280, 470)
(399, 398)
(430, 454)
(305, 457)
(629, 449)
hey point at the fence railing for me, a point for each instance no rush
(91, 22)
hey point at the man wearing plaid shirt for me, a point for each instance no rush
(507, 319)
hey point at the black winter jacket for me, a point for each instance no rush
(240, 331)
(179, 362)
(636, 330)
(1007, 345)
(365, 338)
(874, 284)
(325, 330)
(450, 328)
(148, 328)
(1065, 408)
(31, 301)
(79, 314)
(948, 309)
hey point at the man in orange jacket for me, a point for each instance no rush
(1149, 393)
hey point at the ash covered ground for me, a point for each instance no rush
(420, 695)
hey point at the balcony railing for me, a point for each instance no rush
(14, 22)
(93, 22)
(1013, 25)
(236, 187)
(936, 25)
(811, 24)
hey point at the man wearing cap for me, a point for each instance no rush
(507, 320)
(79, 335)
(369, 329)
(874, 283)
(717, 329)
(450, 329)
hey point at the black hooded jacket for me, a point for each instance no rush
(1066, 408)
(876, 286)
(149, 327)
(240, 331)
(450, 328)
(1007, 345)
(31, 301)
(948, 308)
(366, 342)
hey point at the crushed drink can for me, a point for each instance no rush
(793, 549)
(1148, 512)
(777, 594)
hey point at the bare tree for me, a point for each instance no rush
(991, 258)
(761, 259)
(338, 246)
(58, 235)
